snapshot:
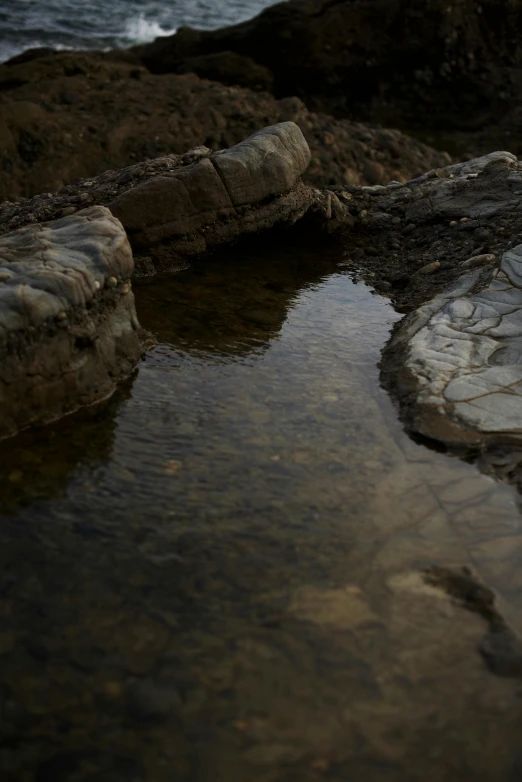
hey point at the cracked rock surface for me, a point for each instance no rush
(463, 357)
(68, 326)
(182, 205)
(455, 362)
(217, 197)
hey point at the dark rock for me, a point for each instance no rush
(121, 120)
(230, 68)
(69, 98)
(414, 63)
(148, 700)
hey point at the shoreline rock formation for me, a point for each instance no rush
(177, 207)
(68, 326)
(72, 115)
(434, 245)
(417, 64)
(453, 363)
(69, 329)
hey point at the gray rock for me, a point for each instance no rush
(463, 357)
(247, 188)
(68, 334)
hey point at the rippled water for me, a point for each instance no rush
(94, 24)
(214, 577)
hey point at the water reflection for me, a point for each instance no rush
(231, 592)
(38, 463)
(234, 304)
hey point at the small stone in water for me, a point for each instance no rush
(173, 466)
(429, 268)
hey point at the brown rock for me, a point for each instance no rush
(121, 120)
(374, 173)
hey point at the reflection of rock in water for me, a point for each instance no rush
(235, 301)
(37, 463)
(500, 647)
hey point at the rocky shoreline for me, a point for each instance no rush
(177, 165)
(66, 116)
(430, 243)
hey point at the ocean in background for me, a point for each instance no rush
(97, 24)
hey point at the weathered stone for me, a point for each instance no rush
(464, 358)
(180, 206)
(174, 205)
(268, 163)
(66, 335)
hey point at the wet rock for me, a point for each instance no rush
(480, 259)
(65, 341)
(500, 647)
(267, 164)
(462, 353)
(430, 268)
(173, 209)
(248, 188)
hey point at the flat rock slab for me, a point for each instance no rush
(463, 358)
(68, 325)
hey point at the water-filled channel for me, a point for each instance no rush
(214, 577)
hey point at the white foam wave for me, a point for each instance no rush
(143, 30)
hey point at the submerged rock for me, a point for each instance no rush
(68, 327)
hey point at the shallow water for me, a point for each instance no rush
(214, 577)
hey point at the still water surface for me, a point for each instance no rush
(214, 577)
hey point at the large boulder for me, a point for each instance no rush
(463, 359)
(68, 326)
(421, 64)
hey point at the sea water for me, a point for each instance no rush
(95, 24)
